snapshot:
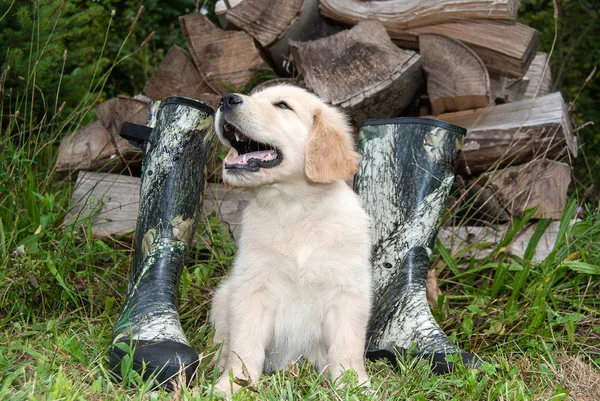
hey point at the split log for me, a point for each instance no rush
(112, 113)
(111, 201)
(542, 183)
(360, 70)
(536, 82)
(398, 15)
(456, 77)
(475, 204)
(221, 8)
(478, 242)
(273, 23)
(505, 47)
(98, 146)
(506, 90)
(514, 133)
(176, 76)
(225, 59)
(540, 77)
(94, 148)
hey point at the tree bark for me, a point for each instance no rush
(456, 77)
(360, 70)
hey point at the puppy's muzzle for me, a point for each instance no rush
(230, 102)
(250, 155)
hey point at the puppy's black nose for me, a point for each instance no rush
(230, 101)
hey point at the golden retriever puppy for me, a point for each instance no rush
(300, 285)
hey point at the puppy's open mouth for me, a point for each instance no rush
(251, 155)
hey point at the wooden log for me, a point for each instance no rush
(540, 77)
(267, 21)
(475, 204)
(94, 148)
(225, 59)
(537, 81)
(360, 70)
(111, 201)
(273, 23)
(398, 15)
(505, 47)
(98, 146)
(221, 8)
(112, 113)
(478, 242)
(176, 76)
(514, 133)
(542, 183)
(456, 77)
(506, 90)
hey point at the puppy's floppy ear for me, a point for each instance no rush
(330, 154)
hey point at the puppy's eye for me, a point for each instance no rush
(282, 105)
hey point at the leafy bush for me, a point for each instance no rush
(65, 50)
(40, 70)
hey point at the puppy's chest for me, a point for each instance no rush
(298, 251)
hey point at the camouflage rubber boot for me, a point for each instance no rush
(172, 183)
(404, 180)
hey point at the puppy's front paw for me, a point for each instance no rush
(226, 387)
(364, 381)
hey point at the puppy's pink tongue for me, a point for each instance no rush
(263, 155)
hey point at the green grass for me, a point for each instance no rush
(60, 294)
(536, 324)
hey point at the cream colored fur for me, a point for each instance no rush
(300, 285)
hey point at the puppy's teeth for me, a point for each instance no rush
(237, 137)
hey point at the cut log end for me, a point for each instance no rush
(176, 76)
(266, 21)
(456, 77)
(224, 59)
(360, 70)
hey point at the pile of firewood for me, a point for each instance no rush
(467, 63)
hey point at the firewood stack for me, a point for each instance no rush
(467, 63)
